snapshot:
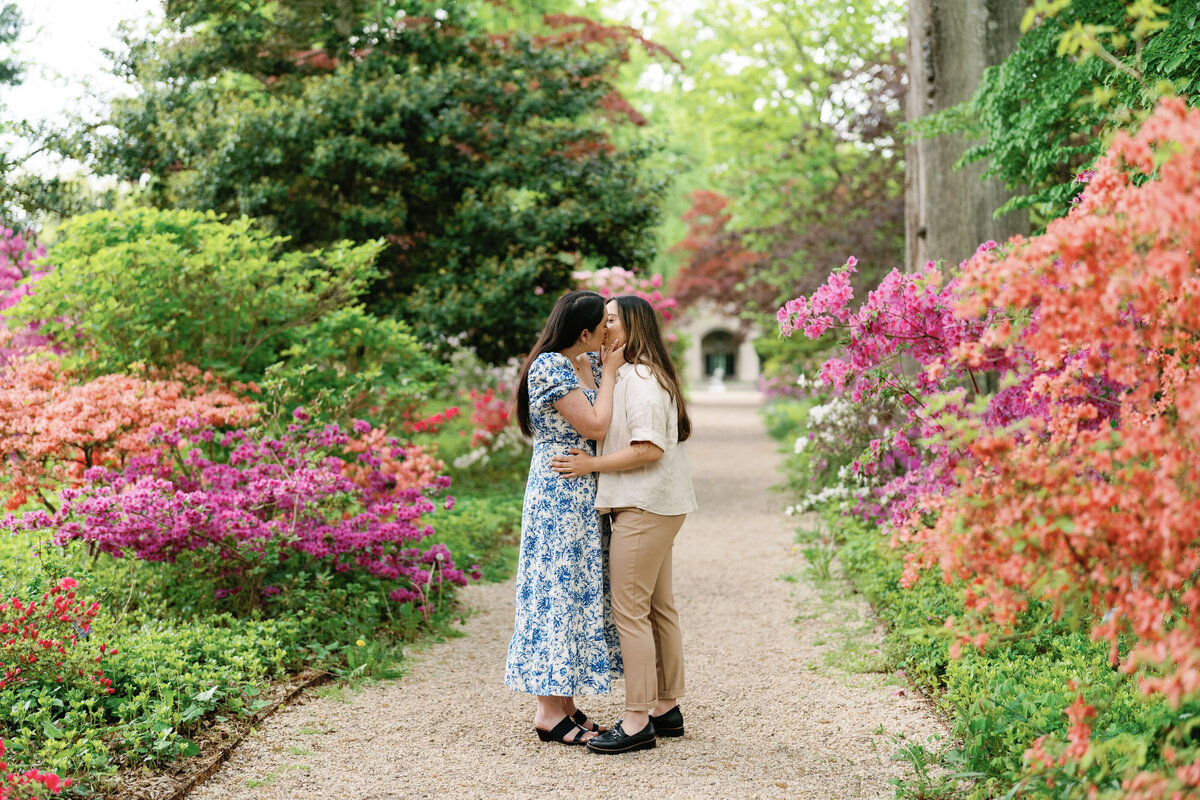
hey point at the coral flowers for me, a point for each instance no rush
(53, 428)
(1078, 482)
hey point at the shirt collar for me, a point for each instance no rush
(623, 370)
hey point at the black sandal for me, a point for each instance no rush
(560, 730)
(581, 719)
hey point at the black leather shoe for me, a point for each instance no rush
(669, 724)
(618, 741)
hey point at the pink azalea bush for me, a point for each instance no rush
(250, 507)
(916, 316)
(908, 315)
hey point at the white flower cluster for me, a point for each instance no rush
(847, 475)
(828, 423)
(468, 371)
(839, 409)
(479, 455)
(509, 438)
(823, 497)
(801, 443)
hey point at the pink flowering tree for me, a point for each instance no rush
(21, 268)
(615, 281)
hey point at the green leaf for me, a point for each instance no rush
(1065, 524)
(50, 730)
(207, 695)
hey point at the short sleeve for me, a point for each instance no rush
(551, 378)
(646, 410)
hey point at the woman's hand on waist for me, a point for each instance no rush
(574, 465)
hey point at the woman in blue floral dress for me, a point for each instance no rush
(564, 640)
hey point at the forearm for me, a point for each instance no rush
(603, 407)
(591, 420)
(637, 454)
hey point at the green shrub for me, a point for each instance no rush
(915, 643)
(148, 286)
(785, 418)
(484, 530)
(171, 675)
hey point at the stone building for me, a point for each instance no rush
(720, 349)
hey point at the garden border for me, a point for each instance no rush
(314, 678)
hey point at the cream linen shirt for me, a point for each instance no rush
(644, 412)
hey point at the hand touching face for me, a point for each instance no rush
(615, 335)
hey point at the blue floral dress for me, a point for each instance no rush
(564, 639)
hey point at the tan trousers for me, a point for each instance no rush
(644, 605)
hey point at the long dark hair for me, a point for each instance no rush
(574, 313)
(644, 345)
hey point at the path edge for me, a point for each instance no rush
(309, 679)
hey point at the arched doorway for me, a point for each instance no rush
(719, 350)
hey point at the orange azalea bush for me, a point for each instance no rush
(1100, 520)
(53, 428)
(411, 467)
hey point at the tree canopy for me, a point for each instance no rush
(1083, 69)
(483, 158)
(787, 116)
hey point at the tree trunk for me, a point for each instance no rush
(949, 212)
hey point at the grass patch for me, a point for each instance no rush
(335, 692)
(267, 780)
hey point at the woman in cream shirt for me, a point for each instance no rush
(645, 485)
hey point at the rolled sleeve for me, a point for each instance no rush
(647, 412)
(643, 411)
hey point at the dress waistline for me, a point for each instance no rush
(561, 443)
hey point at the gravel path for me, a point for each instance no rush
(767, 714)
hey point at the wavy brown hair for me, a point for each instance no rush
(644, 345)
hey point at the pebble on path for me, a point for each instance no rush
(765, 718)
